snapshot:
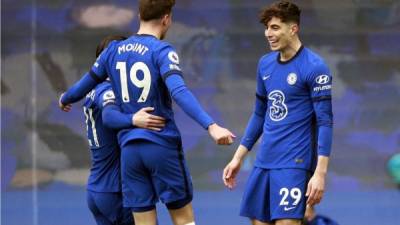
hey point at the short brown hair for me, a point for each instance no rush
(104, 43)
(284, 10)
(154, 9)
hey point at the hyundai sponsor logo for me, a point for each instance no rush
(322, 79)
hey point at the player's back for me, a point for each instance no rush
(137, 68)
(105, 152)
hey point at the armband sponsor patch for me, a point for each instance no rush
(322, 79)
(173, 57)
(174, 67)
(324, 82)
(108, 95)
(322, 88)
(111, 101)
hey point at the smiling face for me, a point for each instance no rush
(279, 34)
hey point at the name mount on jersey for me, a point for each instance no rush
(135, 47)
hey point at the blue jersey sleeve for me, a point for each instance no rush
(96, 75)
(105, 98)
(319, 81)
(168, 61)
(80, 89)
(186, 100)
(260, 88)
(111, 113)
(320, 85)
(255, 125)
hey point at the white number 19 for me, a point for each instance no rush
(145, 83)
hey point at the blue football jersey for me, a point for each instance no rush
(137, 68)
(105, 152)
(290, 88)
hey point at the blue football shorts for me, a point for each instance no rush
(152, 172)
(273, 194)
(107, 209)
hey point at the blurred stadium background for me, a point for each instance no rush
(46, 45)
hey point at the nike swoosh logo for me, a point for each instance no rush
(289, 208)
(266, 77)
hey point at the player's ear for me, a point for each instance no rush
(294, 28)
(166, 20)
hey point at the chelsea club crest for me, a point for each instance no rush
(291, 78)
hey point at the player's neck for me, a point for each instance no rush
(290, 51)
(150, 28)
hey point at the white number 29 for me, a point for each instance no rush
(295, 193)
(145, 83)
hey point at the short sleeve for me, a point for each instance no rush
(168, 62)
(319, 81)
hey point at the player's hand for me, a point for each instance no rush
(144, 119)
(221, 136)
(65, 108)
(315, 189)
(230, 172)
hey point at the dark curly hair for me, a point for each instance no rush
(284, 10)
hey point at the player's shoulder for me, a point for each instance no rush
(269, 57)
(109, 50)
(111, 46)
(267, 60)
(104, 93)
(314, 60)
(164, 49)
(164, 45)
(103, 87)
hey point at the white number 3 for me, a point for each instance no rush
(295, 193)
(145, 83)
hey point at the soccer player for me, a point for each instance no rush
(104, 196)
(293, 112)
(144, 71)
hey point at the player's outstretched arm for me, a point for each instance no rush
(188, 102)
(221, 136)
(233, 167)
(77, 91)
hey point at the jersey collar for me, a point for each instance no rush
(291, 59)
(145, 35)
